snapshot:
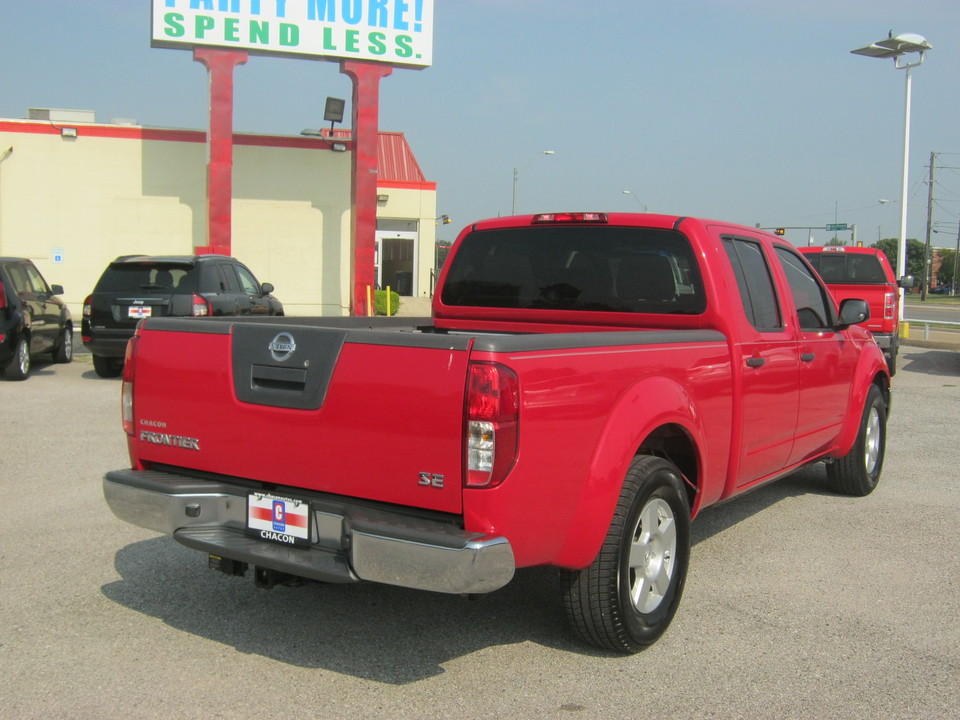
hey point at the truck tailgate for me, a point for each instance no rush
(363, 414)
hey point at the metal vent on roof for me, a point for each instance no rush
(62, 116)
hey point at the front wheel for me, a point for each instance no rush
(858, 472)
(626, 599)
(64, 350)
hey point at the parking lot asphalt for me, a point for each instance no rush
(799, 603)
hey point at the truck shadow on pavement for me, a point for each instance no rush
(375, 632)
(931, 362)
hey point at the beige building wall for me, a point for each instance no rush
(74, 203)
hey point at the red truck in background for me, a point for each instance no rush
(865, 273)
(586, 385)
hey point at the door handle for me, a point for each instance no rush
(756, 362)
(807, 357)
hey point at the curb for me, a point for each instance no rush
(931, 344)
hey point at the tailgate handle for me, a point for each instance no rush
(278, 378)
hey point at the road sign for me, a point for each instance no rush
(834, 227)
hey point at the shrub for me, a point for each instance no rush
(380, 302)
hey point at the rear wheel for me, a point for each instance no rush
(107, 367)
(858, 472)
(890, 354)
(18, 367)
(626, 599)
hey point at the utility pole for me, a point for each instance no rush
(926, 253)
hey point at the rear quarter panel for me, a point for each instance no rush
(584, 414)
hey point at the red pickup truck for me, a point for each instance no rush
(587, 384)
(865, 273)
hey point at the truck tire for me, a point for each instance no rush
(890, 355)
(626, 599)
(18, 366)
(107, 367)
(858, 472)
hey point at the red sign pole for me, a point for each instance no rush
(363, 184)
(220, 65)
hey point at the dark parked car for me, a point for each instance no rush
(139, 286)
(33, 320)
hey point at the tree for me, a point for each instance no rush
(945, 274)
(915, 253)
(835, 242)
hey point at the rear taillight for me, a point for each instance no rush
(3, 296)
(493, 409)
(126, 390)
(889, 306)
(201, 306)
(88, 306)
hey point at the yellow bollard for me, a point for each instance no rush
(388, 301)
(905, 329)
(369, 301)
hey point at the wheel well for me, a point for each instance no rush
(884, 385)
(671, 442)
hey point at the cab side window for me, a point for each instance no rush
(19, 279)
(814, 310)
(37, 283)
(755, 284)
(228, 278)
(247, 281)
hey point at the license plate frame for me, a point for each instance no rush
(279, 519)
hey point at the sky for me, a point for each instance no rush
(750, 111)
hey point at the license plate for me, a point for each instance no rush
(278, 519)
(139, 311)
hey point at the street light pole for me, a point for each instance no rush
(896, 47)
(956, 256)
(633, 195)
(516, 176)
(902, 243)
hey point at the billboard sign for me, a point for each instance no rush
(398, 32)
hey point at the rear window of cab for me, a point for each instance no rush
(849, 268)
(576, 267)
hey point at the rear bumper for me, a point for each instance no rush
(107, 343)
(885, 340)
(351, 542)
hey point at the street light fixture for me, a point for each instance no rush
(633, 195)
(896, 48)
(337, 144)
(516, 176)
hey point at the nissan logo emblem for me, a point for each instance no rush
(282, 347)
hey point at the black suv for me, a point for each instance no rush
(139, 286)
(32, 319)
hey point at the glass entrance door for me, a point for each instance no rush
(396, 268)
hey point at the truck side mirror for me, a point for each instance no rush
(853, 312)
(906, 282)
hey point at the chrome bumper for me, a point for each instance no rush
(351, 541)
